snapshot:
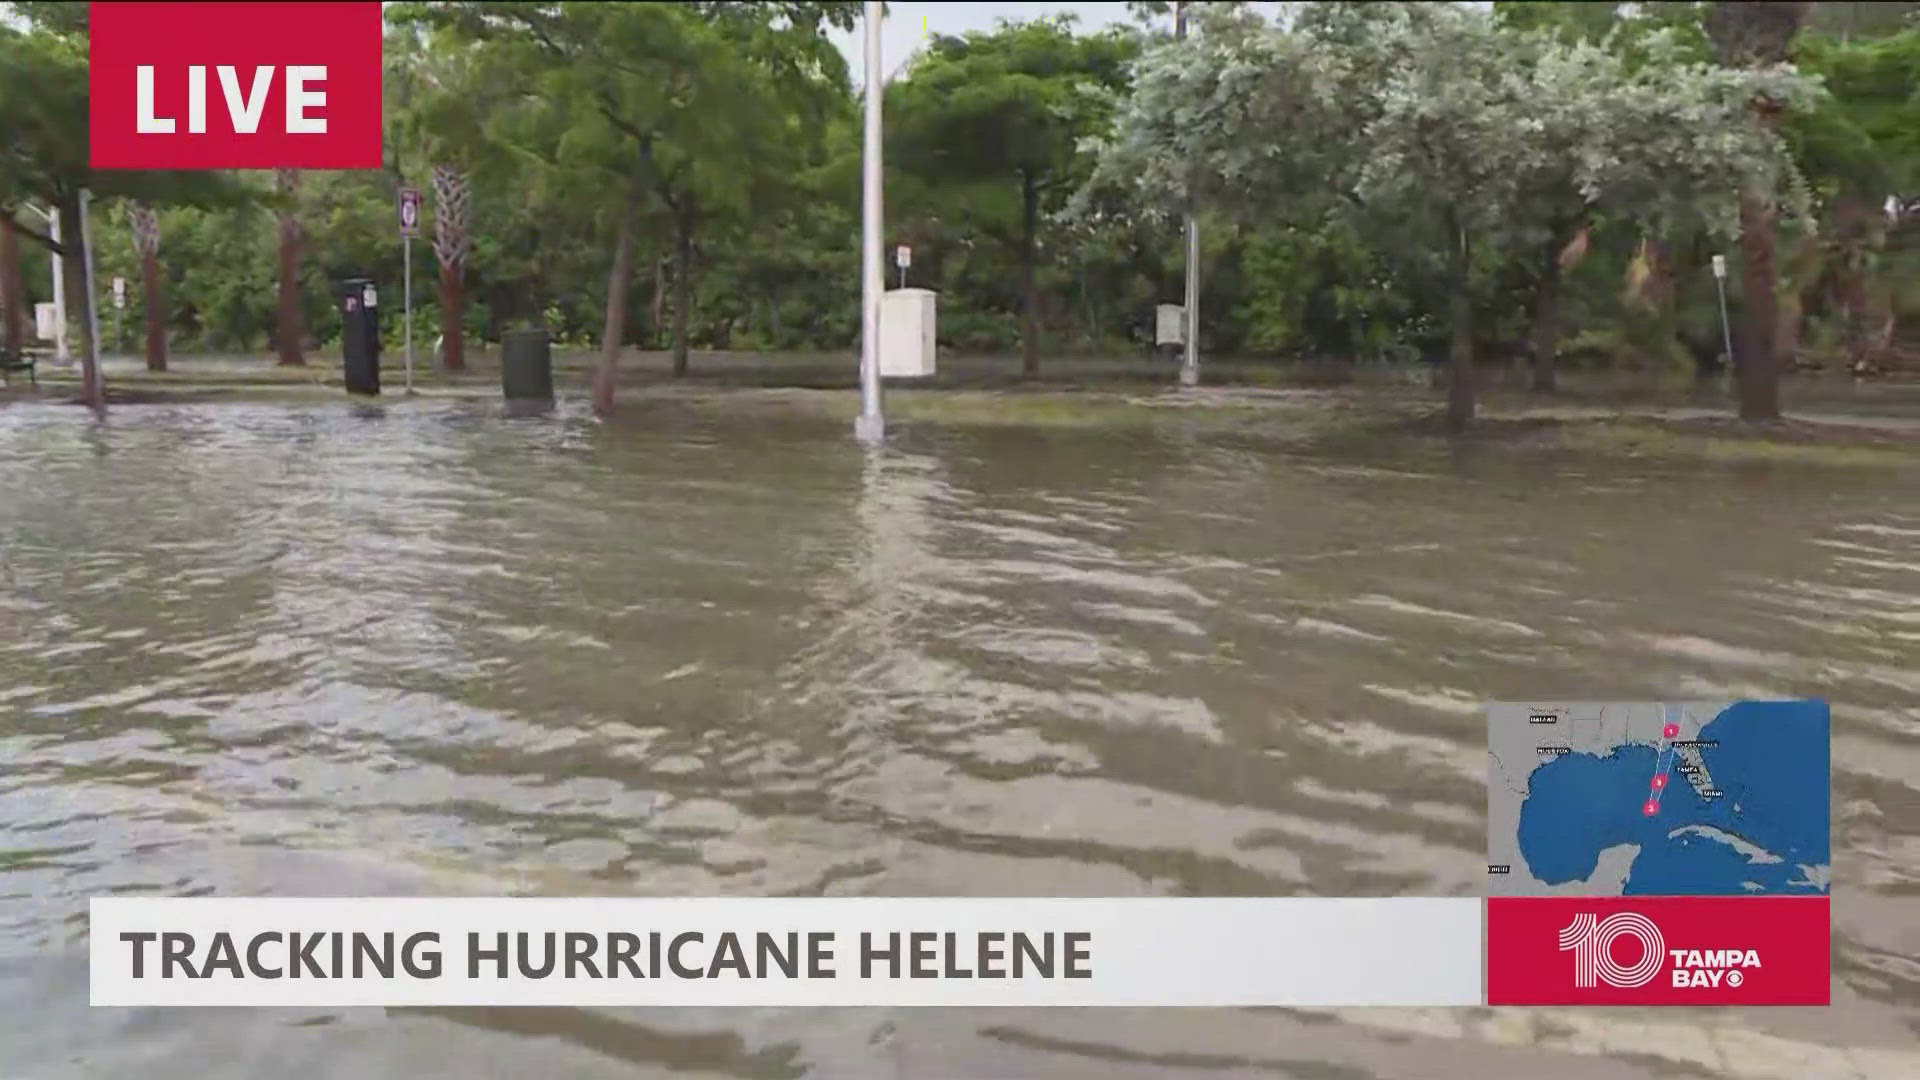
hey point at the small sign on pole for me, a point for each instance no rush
(409, 211)
(903, 258)
(1720, 266)
(119, 292)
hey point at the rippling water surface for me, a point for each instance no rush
(422, 648)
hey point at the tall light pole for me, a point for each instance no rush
(870, 427)
(1190, 359)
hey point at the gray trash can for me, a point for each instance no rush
(526, 365)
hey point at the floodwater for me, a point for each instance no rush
(422, 648)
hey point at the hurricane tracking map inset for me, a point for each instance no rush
(1719, 798)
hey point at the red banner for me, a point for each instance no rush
(1659, 950)
(235, 85)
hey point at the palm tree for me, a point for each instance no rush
(452, 238)
(146, 241)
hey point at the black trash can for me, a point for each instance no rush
(359, 335)
(526, 366)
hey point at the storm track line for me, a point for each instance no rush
(1662, 765)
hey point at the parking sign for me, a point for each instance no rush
(409, 211)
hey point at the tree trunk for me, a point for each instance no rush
(1752, 34)
(1029, 281)
(1786, 330)
(453, 327)
(619, 278)
(13, 295)
(73, 268)
(154, 287)
(1460, 372)
(682, 289)
(658, 310)
(1756, 362)
(1546, 322)
(288, 330)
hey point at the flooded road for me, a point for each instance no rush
(420, 648)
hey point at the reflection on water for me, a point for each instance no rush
(422, 648)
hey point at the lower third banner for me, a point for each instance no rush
(1659, 950)
(786, 951)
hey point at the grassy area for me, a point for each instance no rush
(1045, 408)
(1626, 434)
(1731, 442)
(990, 393)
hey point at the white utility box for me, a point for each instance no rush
(906, 333)
(44, 323)
(1170, 325)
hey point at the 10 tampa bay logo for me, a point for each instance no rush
(1591, 940)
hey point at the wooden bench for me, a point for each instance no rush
(11, 362)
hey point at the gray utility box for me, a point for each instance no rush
(1170, 325)
(906, 333)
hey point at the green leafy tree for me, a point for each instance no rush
(685, 104)
(1860, 148)
(995, 121)
(1468, 141)
(43, 80)
(444, 96)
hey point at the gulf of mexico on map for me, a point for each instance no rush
(1718, 798)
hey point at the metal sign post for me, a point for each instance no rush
(1726, 329)
(903, 258)
(409, 228)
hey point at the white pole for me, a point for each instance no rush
(1726, 328)
(59, 292)
(93, 297)
(1190, 360)
(871, 427)
(408, 244)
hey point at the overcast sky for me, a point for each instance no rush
(910, 22)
